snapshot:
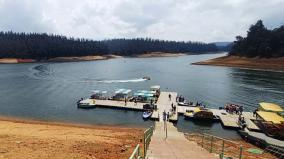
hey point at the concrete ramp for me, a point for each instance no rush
(175, 146)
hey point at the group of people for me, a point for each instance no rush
(180, 99)
(233, 108)
(166, 116)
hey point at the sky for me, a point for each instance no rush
(181, 20)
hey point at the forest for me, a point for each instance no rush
(42, 46)
(260, 42)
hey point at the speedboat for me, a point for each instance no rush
(86, 103)
(147, 78)
(184, 103)
(147, 114)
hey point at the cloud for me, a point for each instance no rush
(198, 20)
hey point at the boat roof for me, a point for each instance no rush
(270, 107)
(270, 116)
(96, 91)
(146, 91)
(155, 87)
(122, 91)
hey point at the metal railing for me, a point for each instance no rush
(147, 138)
(136, 154)
(224, 147)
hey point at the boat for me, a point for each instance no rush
(147, 114)
(146, 78)
(184, 103)
(86, 103)
(200, 114)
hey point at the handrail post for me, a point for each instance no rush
(223, 146)
(139, 154)
(202, 140)
(241, 152)
(144, 145)
(211, 145)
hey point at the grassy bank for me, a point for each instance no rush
(276, 64)
(32, 139)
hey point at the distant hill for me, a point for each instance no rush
(223, 46)
(260, 42)
(45, 46)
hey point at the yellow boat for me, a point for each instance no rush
(270, 107)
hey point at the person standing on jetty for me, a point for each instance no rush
(125, 101)
(170, 97)
(164, 118)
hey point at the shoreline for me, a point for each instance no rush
(263, 64)
(36, 139)
(88, 58)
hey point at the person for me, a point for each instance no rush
(172, 105)
(254, 112)
(168, 116)
(241, 109)
(170, 96)
(125, 101)
(135, 101)
(164, 115)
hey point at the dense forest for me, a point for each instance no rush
(260, 42)
(45, 46)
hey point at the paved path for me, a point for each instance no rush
(175, 146)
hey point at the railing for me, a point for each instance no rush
(276, 151)
(225, 148)
(136, 154)
(147, 138)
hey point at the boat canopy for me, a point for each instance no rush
(96, 91)
(155, 88)
(146, 92)
(270, 107)
(122, 91)
(270, 116)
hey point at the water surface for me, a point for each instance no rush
(49, 91)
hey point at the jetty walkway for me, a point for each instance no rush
(172, 144)
(167, 141)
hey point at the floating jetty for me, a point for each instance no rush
(164, 103)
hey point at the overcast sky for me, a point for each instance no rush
(197, 20)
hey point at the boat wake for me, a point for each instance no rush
(117, 81)
(42, 71)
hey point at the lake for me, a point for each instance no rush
(49, 91)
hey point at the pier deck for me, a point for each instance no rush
(227, 119)
(119, 104)
(165, 104)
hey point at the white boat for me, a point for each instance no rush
(147, 114)
(184, 103)
(86, 103)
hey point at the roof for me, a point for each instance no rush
(270, 107)
(270, 116)
(156, 87)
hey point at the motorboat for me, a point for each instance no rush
(200, 114)
(147, 114)
(146, 78)
(86, 103)
(184, 103)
